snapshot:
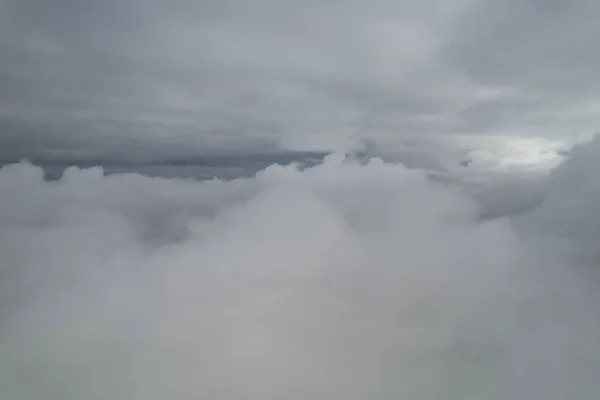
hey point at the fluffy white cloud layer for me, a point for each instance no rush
(343, 281)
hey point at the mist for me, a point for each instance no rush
(345, 280)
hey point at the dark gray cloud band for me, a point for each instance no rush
(235, 74)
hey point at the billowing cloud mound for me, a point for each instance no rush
(568, 213)
(341, 281)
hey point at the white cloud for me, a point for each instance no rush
(341, 281)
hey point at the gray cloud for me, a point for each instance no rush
(345, 280)
(287, 73)
(545, 52)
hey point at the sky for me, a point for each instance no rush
(88, 76)
(454, 257)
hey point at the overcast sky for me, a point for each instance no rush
(295, 74)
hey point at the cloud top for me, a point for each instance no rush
(344, 280)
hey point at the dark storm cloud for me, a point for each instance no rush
(296, 74)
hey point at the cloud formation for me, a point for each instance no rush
(453, 266)
(235, 74)
(342, 281)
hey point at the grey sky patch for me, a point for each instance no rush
(233, 74)
(546, 52)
